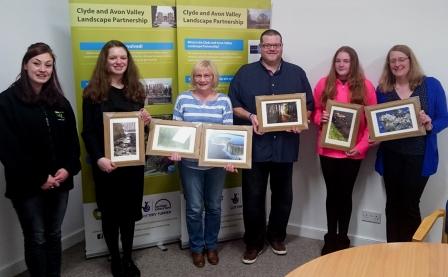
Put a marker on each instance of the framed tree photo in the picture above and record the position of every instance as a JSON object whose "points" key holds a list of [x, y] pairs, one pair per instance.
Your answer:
{"points": [[341, 130], [394, 120], [281, 112], [169, 136], [224, 144], [124, 138]]}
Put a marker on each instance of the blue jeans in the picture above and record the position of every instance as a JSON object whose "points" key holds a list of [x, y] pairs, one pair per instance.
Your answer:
{"points": [[203, 189], [41, 219]]}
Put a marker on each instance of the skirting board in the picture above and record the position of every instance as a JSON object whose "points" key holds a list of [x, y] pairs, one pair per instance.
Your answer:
{"points": [[317, 233], [19, 266]]}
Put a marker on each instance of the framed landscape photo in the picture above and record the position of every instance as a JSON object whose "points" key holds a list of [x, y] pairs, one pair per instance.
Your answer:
{"points": [[394, 120], [281, 112], [124, 138], [341, 130], [224, 144], [169, 136]]}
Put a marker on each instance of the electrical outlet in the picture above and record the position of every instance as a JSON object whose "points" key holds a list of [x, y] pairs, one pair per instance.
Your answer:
{"points": [[369, 216]]}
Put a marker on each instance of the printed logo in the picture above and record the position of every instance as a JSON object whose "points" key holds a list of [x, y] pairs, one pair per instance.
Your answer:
{"points": [[235, 198], [147, 207], [96, 214], [162, 204], [60, 115]]}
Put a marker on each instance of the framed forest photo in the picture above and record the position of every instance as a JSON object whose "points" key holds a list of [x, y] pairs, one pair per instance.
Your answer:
{"points": [[169, 136], [341, 130], [124, 138], [224, 144], [281, 112], [394, 120]]}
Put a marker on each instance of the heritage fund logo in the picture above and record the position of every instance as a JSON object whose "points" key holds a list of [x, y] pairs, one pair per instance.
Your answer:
{"points": [[160, 207]]}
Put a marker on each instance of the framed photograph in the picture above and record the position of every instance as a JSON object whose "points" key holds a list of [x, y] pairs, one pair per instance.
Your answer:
{"points": [[224, 144], [169, 136], [394, 120], [124, 138], [341, 130], [281, 112]]}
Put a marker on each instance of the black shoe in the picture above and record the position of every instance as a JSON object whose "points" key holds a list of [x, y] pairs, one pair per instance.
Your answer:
{"points": [[343, 242], [116, 268], [130, 269], [330, 244]]}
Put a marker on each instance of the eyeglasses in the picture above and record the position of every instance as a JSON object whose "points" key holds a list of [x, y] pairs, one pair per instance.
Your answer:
{"points": [[398, 60], [269, 46], [205, 76]]}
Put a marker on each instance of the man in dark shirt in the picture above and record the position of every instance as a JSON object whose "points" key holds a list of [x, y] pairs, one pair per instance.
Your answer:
{"points": [[273, 153]]}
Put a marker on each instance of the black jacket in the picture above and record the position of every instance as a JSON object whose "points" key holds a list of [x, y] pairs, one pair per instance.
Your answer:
{"points": [[36, 140]]}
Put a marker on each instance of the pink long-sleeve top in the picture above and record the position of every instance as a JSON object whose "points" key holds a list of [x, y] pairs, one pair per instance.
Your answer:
{"points": [[343, 96]]}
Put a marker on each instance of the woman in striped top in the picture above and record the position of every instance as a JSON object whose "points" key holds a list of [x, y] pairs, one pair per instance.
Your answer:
{"points": [[202, 186]]}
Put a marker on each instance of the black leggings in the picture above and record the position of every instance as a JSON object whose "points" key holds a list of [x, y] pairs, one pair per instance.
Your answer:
{"points": [[340, 176], [112, 227]]}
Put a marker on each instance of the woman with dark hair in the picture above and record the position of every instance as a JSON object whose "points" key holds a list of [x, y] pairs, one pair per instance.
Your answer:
{"points": [[407, 163], [39, 150], [114, 87], [344, 83]]}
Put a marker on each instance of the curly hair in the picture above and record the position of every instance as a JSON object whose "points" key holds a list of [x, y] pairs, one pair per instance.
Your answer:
{"points": [[99, 84]]}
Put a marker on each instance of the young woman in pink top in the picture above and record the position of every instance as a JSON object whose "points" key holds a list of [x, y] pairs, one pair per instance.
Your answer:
{"points": [[345, 83]]}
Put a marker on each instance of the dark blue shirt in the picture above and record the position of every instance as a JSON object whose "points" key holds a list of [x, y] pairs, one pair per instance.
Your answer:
{"points": [[254, 79]]}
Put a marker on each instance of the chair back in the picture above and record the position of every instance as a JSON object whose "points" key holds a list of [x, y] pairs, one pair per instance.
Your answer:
{"points": [[428, 222]]}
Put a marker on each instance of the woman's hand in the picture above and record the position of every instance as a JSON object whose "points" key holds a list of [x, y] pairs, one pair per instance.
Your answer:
{"points": [[324, 117], [352, 152], [145, 116], [231, 168], [106, 165], [175, 157], [61, 175], [425, 120], [50, 183]]}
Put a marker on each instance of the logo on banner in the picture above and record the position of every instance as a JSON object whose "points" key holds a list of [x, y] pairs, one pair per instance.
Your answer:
{"points": [[147, 207], [236, 201], [159, 208]]}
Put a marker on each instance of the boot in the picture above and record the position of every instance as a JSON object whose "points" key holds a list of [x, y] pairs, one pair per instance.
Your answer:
{"points": [[330, 244], [343, 242]]}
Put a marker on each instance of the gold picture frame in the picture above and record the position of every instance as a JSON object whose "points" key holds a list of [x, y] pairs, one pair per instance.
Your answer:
{"points": [[124, 138], [281, 112], [170, 136], [394, 120], [226, 144], [341, 130]]}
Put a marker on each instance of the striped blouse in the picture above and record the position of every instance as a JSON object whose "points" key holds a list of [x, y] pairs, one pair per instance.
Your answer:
{"points": [[190, 109]]}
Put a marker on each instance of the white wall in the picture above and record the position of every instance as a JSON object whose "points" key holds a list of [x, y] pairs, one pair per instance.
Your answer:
{"points": [[24, 22], [312, 31]]}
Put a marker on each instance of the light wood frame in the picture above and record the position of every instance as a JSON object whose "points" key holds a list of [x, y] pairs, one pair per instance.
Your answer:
{"points": [[157, 125], [412, 105], [334, 109], [299, 99], [211, 131], [133, 118]]}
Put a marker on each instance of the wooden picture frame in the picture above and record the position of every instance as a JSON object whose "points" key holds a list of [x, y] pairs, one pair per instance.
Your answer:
{"points": [[341, 130], [394, 120], [281, 112], [170, 136], [124, 138], [224, 144]]}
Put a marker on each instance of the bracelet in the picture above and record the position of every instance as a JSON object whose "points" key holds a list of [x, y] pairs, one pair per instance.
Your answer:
{"points": [[250, 116]]}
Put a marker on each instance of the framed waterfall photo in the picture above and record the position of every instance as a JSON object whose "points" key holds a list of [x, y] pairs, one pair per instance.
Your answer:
{"points": [[124, 138]]}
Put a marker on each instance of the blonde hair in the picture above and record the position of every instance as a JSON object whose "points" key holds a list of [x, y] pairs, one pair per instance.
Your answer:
{"points": [[208, 65], [415, 74]]}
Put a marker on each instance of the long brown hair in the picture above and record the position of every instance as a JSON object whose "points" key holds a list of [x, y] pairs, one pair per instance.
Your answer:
{"points": [[355, 78], [99, 84], [51, 93], [415, 74]]}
